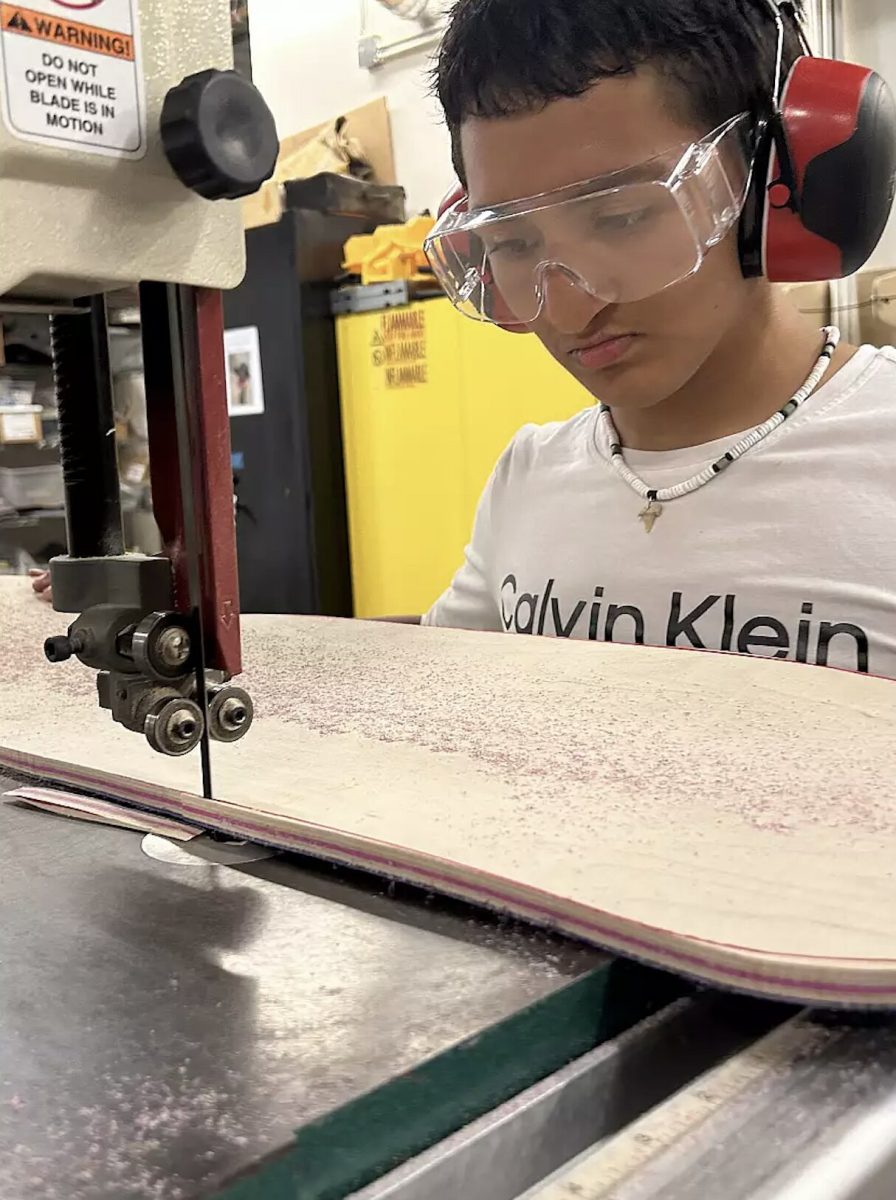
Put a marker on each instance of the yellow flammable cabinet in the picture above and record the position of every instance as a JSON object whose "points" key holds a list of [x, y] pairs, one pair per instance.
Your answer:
{"points": [[430, 400]]}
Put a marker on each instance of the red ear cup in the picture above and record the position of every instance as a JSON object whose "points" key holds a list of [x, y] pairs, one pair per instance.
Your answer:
{"points": [[500, 315], [822, 215], [456, 194]]}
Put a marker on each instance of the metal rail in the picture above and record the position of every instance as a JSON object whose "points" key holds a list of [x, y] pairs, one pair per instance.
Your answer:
{"points": [[526, 1140]]}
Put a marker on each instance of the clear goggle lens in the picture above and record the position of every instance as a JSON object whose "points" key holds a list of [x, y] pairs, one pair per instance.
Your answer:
{"points": [[619, 243]]}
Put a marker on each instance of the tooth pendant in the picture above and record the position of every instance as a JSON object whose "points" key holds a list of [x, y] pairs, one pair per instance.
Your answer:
{"points": [[650, 515]]}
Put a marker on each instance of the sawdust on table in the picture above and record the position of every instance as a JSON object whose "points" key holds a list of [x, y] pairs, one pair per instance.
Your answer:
{"points": [[582, 740]]}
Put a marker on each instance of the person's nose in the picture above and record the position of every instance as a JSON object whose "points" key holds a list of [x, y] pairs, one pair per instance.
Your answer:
{"points": [[567, 306]]}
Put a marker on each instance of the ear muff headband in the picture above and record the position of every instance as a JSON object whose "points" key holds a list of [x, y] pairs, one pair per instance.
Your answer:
{"points": [[824, 175]]}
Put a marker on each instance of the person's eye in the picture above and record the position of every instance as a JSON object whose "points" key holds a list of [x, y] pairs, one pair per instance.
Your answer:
{"points": [[623, 222], [518, 247]]}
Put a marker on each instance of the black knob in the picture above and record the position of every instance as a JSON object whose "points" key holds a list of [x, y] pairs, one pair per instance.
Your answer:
{"points": [[58, 649], [219, 135]]}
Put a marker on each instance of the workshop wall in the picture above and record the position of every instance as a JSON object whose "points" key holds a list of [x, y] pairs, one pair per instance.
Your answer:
{"points": [[870, 38], [305, 61]]}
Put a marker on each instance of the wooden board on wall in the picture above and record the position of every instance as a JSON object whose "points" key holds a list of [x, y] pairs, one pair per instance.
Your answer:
{"points": [[876, 294], [370, 125], [812, 299]]}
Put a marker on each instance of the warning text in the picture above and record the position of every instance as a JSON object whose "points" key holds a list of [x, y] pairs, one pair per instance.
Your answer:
{"points": [[70, 34]]}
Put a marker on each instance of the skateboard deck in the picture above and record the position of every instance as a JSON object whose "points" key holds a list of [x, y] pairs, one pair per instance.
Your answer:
{"points": [[727, 818]]}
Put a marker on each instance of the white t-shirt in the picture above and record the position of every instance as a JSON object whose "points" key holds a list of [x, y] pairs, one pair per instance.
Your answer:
{"points": [[791, 553]]}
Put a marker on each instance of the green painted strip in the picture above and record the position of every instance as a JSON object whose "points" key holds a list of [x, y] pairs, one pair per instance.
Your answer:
{"points": [[372, 1135]]}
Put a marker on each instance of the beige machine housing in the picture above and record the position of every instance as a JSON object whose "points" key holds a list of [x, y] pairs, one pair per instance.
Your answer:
{"points": [[74, 223]]}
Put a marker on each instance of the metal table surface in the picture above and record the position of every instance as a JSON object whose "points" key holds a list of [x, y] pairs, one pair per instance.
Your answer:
{"points": [[165, 1026]]}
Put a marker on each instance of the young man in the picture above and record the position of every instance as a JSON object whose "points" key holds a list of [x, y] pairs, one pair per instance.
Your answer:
{"points": [[615, 526]]}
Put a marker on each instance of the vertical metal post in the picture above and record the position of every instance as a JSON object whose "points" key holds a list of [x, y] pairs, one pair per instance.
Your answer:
{"points": [[826, 28], [190, 467], [170, 402], [832, 44], [185, 328], [833, 28], [83, 377]]}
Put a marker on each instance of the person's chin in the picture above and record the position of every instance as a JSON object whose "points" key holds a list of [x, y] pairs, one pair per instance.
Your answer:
{"points": [[632, 382]]}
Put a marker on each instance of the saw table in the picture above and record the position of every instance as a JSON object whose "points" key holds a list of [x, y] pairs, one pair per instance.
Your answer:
{"points": [[175, 1028]]}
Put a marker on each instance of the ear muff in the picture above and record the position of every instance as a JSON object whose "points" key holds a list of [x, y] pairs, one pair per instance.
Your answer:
{"points": [[504, 320], [457, 195], [825, 176]]}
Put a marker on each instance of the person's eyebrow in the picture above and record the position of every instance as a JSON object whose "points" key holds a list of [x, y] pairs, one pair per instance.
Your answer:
{"points": [[659, 167]]}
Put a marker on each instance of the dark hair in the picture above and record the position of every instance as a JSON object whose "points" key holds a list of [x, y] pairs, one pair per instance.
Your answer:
{"points": [[501, 57]]}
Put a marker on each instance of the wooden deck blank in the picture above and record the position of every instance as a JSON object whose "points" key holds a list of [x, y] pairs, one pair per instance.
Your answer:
{"points": [[728, 818]]}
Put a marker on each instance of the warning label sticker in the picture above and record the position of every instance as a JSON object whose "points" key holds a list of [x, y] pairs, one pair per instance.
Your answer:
{"points": [[71, 84], [399, 346]]}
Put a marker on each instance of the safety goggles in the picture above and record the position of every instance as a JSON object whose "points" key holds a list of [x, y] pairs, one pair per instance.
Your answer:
{"points": [[621, 238]]}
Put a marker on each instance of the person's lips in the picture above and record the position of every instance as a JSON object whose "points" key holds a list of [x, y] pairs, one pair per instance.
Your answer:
{"points": [[604, 351]]}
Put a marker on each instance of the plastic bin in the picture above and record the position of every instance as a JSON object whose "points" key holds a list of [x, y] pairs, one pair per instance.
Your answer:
{"points": [[33, 487]]}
